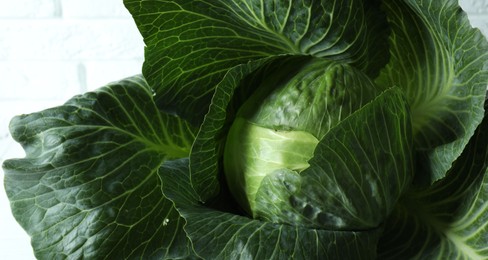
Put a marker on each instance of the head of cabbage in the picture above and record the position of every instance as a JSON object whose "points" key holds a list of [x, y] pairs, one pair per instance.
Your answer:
{"points": [[276, 132], [313, 129]]}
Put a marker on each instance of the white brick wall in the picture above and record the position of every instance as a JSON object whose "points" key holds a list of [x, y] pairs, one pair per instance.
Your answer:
{"points": [[53, 49]]}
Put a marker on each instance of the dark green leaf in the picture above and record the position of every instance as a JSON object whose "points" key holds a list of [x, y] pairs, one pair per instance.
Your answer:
{"points": [[221, 235], [88, 186], [447, 220], [442, 64], [192, 44], [207, 149]]}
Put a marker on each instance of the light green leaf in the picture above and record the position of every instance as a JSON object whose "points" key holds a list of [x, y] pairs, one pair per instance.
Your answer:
{"points": [[192, 44], [252, 152], [447, 220], [221, 235], [442, 64], [89, 186]]}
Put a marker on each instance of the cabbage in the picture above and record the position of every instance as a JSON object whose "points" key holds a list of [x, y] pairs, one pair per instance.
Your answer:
{"points": [[269, 130]]}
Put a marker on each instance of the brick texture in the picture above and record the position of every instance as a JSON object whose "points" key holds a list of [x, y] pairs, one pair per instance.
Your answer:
{"points": [[28, 80], [51, 50], [93, 9], [78, 39], [28, 9]]}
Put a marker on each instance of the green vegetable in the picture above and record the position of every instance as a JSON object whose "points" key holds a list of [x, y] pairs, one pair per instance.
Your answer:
{"points": [[297, 108], [269, 130]]}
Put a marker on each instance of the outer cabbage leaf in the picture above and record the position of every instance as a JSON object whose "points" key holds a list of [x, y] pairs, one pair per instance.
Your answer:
{"points": [[442, 64], [88, 186], [447, 220], [192, 44], [208, 146], [220, 235]]}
